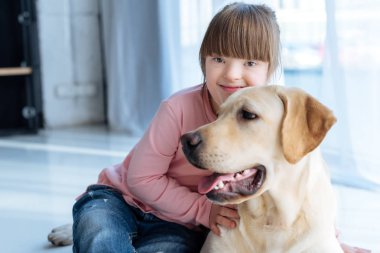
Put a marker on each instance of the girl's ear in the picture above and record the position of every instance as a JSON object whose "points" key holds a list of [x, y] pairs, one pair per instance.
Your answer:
{"points": [[305, 123]]}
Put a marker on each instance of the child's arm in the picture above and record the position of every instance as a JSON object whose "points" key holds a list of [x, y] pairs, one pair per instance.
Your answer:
{"points": [[147, 175]]}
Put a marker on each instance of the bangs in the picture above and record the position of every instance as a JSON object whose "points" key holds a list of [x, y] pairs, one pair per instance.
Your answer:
{"points": [[235, 37], [243, 31]]}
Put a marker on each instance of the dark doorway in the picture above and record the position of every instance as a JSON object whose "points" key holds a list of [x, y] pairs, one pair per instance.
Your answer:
{"points": [[20, 86]]}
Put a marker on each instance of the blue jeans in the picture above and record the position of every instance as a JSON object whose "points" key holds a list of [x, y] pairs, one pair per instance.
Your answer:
{"points": [[104, 222]]}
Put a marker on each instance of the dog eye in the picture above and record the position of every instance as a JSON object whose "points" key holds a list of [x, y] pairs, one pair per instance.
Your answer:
{"points": [[248, 115]]}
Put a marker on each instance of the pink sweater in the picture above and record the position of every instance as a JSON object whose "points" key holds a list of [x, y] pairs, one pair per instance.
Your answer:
{"points": [[155, 176]]}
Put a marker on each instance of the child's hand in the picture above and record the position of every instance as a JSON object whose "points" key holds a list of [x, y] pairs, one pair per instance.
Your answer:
{"points": [[348, 249], [224, 216]]}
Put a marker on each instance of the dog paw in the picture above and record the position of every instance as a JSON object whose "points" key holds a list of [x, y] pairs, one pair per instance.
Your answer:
{"points": [[61, 236]]}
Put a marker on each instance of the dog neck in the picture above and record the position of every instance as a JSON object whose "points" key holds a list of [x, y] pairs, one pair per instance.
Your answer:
{"points": [[290, 195]]}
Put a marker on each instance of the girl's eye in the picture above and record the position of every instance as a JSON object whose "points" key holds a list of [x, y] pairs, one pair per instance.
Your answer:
{"points": [[251, 63], [217, 59], [248, 115]]}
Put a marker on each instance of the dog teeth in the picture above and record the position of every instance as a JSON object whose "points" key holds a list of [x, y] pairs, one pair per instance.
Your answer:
{"points": [[220, 185], [241, 174], [244, 172]]}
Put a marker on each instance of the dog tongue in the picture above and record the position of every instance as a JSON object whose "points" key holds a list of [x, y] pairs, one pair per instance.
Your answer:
{"points": [[208, 183]]}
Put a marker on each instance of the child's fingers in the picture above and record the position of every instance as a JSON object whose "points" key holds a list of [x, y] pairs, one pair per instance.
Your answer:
{"points": [[229, 212], [214, 228], [232, 206], [349, 249], [225, 222], [225, 216], [337, 233]]}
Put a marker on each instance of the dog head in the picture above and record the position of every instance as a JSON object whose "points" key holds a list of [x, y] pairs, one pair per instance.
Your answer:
{"points": [[257, 129]]}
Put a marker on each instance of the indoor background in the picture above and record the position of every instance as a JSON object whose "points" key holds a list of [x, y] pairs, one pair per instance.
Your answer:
{"points": [[81, 79]]}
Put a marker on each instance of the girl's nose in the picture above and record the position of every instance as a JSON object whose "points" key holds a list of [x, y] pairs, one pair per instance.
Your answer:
{"points": [[233, 71]]}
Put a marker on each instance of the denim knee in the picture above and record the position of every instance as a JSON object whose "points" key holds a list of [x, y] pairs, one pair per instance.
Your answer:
{"points": [[104, 222], [96, 232], [100, 224]]}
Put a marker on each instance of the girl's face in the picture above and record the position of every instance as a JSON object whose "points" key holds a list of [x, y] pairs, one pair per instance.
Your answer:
{"points": [[225, 75]]}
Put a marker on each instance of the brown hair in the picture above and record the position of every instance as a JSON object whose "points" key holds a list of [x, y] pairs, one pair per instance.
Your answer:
{"points": [[243, 31]]}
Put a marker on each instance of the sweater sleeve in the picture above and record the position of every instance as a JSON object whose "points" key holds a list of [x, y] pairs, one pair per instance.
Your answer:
{"points": [[147, 176]]}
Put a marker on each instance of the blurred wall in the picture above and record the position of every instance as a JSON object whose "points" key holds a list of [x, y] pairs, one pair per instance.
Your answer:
{"points": [[71, 62]]}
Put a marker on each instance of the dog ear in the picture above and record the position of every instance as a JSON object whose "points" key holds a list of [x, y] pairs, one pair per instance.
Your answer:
{"points": [[306, 122]]}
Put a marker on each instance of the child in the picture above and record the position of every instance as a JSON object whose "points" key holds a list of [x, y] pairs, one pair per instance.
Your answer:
{"points": [[149, 203]]}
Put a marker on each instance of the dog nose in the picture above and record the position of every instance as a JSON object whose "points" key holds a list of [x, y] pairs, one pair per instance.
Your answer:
{"points": [[191, 140]]}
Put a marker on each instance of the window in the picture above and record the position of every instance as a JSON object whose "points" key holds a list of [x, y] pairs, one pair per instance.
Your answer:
{"points": [[331, 49]]}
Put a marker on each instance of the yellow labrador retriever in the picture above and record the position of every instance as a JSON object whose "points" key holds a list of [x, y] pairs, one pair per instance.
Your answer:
{"points": [[263, 150]]}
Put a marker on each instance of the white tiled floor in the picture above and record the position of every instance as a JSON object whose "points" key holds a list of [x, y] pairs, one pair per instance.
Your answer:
{"points": [[40, 176]]}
